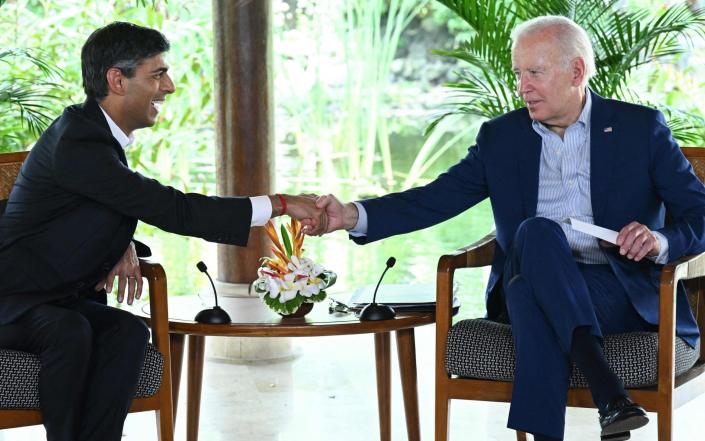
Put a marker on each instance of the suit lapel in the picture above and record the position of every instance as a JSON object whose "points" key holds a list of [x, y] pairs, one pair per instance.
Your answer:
{"points": [[529, 163], [603, 147]]}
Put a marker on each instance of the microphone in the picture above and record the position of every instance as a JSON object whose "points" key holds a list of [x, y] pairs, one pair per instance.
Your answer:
{"points": [[215, 315], [377, 311]]}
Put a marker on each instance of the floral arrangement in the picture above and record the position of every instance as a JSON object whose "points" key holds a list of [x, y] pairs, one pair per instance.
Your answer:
{"points": [[289, 280]]}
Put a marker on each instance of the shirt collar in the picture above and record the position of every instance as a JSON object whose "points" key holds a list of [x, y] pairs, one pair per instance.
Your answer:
{"points": [[117, 132], [583, 118]]}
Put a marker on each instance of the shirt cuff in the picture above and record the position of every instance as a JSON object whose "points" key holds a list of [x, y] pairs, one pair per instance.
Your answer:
{"points": [[662, 257], [360, 228], [261, 210]]}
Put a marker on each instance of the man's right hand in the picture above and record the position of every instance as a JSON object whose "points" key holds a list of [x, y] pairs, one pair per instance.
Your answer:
{"points": [[340, 216], [304, 209]]}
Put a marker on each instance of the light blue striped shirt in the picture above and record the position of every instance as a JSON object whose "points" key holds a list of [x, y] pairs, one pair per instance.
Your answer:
{"points": [[564, 182], [564, 185]]}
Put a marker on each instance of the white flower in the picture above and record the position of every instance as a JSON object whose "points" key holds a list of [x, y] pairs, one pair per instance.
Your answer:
{"points": [[288, 288], [310, 290], [273, 287]]}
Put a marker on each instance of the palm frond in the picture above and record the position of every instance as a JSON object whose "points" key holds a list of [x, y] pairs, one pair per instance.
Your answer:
{"points": [[31, 99], [492, 21], [687, 128], [47, 70], [623, 40], [627, 40]]}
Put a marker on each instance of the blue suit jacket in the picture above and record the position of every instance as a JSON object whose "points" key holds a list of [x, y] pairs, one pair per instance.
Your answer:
{"points": [[637, 172]]}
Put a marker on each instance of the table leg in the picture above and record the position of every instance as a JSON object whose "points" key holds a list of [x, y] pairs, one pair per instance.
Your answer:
{"points": [[384, 389], [196, 348], [406, 349], [176, 347]]}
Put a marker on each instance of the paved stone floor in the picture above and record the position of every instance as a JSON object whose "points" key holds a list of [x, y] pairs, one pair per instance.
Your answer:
{"points": [[327, 392]]}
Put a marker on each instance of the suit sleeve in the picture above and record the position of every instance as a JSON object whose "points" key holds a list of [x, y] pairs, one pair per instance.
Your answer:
{"points": [[95, 171], [681, 191], [451, 193]]}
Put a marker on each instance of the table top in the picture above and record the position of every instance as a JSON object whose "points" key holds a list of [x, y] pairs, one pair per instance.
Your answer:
{"points": [[252, 318]]}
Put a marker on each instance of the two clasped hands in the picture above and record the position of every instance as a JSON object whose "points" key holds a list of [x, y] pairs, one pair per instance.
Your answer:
{"points": [[319, 214]]}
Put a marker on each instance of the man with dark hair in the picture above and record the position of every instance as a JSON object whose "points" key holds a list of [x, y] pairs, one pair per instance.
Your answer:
{"points": [[66, 234]]}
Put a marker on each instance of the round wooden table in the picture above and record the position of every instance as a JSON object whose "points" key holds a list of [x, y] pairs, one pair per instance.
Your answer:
{"points": [[251, 318]]}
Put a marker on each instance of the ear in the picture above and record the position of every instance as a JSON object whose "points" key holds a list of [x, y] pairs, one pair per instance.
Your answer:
{"points": [[578, 70], [116, 81]]}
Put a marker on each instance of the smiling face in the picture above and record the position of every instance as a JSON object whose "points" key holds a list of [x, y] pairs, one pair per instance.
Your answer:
{"points": [[134, 102], [145, 92], [550, 85]]}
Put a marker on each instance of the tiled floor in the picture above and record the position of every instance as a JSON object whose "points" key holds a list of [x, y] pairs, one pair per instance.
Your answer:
{"points": [[328, 393]]}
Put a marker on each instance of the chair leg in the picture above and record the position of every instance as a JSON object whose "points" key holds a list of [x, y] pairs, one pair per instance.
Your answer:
{"points": [[165, 426], [665, 427], [521, 436], [442, 415], [165, 416]]}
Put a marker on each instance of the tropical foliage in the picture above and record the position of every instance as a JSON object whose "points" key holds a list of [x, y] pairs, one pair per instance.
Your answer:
{"points": [[27, 91], [624, 40]]}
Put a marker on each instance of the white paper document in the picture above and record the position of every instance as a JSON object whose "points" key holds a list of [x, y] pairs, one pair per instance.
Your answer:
{"points": [[593, 230]]}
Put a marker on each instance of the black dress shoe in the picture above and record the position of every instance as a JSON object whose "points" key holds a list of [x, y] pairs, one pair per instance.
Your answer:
{"points": [[622, 415]]}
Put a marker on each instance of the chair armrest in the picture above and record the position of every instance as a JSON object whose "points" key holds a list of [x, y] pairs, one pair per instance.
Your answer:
{"points": [[159, 322], [158, 304], [478, 254], [689, 267]]}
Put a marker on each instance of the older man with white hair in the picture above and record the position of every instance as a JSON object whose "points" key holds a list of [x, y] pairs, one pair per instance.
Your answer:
{"points": [[568, 154]]}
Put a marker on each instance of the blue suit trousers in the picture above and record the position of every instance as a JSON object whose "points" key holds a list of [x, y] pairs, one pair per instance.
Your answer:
{"points": [[548, 295]]}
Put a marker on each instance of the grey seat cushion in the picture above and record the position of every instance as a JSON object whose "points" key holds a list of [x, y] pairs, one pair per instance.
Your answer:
{"points": [[19, 378], [484, 349]]}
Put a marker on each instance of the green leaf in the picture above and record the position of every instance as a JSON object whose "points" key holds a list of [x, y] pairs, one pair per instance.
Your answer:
{"points": [[287, 241], [283, 308]]}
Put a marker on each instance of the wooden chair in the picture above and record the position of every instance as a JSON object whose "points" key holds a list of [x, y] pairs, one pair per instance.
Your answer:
{"points": [[668, 391], [156, 373]]}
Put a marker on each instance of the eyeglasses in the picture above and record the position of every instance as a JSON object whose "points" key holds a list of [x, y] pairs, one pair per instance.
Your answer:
{"points": [[336, 306]]}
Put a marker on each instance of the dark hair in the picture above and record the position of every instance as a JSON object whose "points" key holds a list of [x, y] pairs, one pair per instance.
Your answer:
{"points": [[121, 45]]}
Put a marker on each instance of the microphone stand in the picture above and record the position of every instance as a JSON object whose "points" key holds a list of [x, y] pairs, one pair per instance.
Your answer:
{"points": [[378, 311], [215, 315]]}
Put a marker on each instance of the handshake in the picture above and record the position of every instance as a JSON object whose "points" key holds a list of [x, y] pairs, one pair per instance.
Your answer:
{"points": [[318, 214]]}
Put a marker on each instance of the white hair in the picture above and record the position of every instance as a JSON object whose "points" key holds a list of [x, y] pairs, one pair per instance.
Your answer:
{"points": [[572, 39]]}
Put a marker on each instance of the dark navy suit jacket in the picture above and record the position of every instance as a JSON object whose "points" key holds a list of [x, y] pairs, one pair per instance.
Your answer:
{"points": [[74, 207], [637, 171]]}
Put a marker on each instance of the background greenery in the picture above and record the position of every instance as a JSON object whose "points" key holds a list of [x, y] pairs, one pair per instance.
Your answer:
{"points": [[356, 85], [624, 39]]}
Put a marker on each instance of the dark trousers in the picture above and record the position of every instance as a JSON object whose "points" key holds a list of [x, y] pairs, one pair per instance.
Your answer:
{"points": [[548, 294], [91, 356]]}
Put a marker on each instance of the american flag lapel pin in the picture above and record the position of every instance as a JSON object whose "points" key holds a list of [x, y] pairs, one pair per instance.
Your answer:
{"points": [[607, 130]]}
